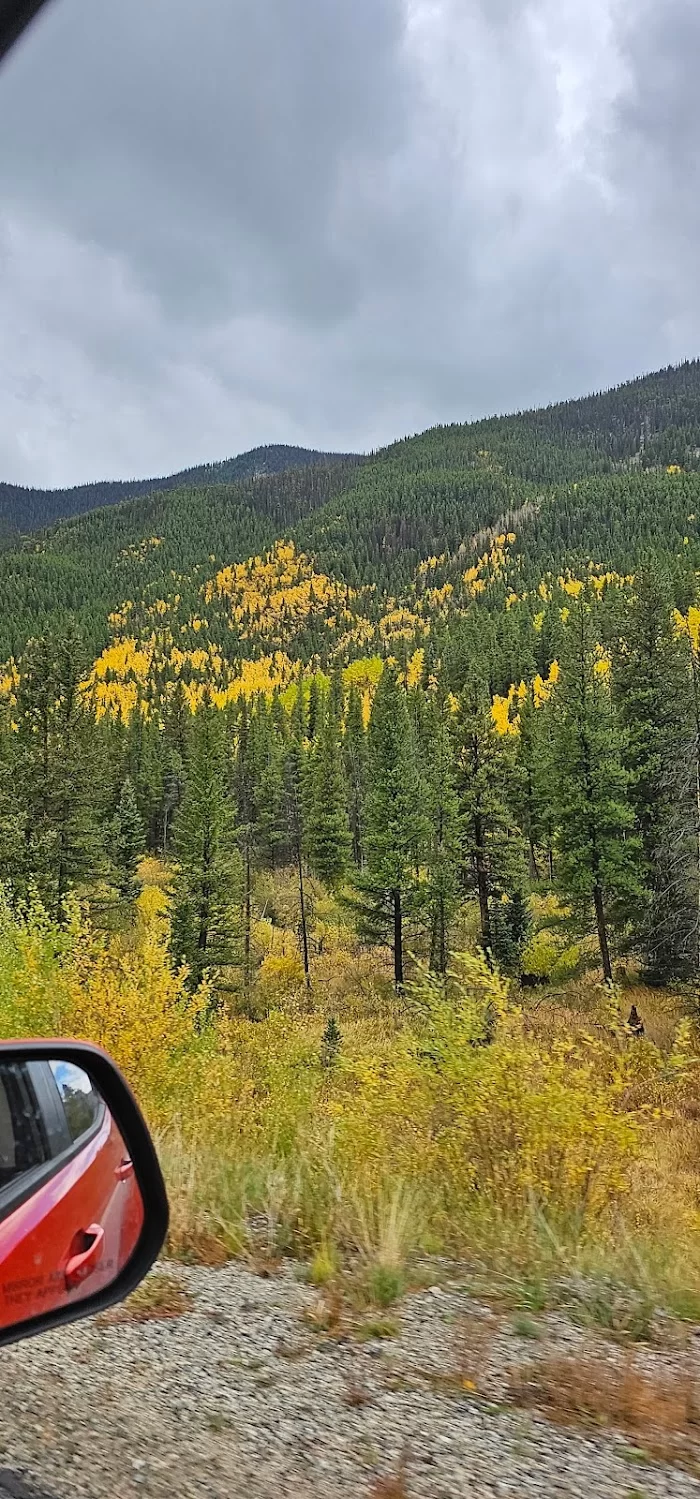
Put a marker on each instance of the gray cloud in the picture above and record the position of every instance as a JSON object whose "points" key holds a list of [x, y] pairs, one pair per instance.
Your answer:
{"points": [[329, 222]]}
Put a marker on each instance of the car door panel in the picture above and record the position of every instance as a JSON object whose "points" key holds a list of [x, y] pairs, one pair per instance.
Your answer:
{"points": [[50, 1228]]}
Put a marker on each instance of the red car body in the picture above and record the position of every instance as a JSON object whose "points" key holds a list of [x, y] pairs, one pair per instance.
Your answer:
{"points": [[75, 1232]]}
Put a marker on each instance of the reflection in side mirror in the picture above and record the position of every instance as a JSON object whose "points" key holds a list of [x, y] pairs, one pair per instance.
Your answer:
{"points": [[83, 1211]]}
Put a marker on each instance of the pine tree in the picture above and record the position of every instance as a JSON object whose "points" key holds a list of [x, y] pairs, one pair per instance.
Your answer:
{"points": [[244, 782], [173, 782], [331, 1042], [294, 804], [145, 767], [208, 883], [534, 783], [395, 822], [336, 695], [511, 925], [14, 826], [653, 694], [53, 778], [315, 708], [443, 855], [177, 720], [268, 756], [127, 842], [599, 853], [327, 834], [486, 784], [355, 756], [177, 725], [688, 631]]}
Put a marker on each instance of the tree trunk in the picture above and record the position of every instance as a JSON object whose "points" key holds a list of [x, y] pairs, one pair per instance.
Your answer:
{"points": [[534, 867], [597, 892], [302, 917], [602, 932], [438, 945], [398, 940], [246, 920], [442, 942], [482, 885], [697, 825], [61, 878], [204, 918], [356, 829], [696, 753]]}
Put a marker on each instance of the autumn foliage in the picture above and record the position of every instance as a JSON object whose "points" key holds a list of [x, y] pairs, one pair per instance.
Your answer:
{"points": [[409, 1133]]}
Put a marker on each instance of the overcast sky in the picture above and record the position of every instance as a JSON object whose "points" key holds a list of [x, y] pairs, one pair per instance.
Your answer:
{"points": [[333, 222]]}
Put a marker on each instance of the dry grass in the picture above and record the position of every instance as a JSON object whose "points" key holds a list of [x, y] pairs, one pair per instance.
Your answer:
{"points": [[357, 1394], [473, 1358], [330, 1314], [576, 1008], [661, 1407], [475, 1341], [160, 1297], [206, 1209], [644, 1257], [391, 1485], [338, 1313]]}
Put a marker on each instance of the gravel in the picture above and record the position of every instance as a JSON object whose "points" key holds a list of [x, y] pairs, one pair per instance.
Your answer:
{"points": [[244, 1396], [14, 1487]]}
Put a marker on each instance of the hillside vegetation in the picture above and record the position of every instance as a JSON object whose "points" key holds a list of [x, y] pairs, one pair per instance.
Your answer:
{"points": [[356, 809], [23, 509]]}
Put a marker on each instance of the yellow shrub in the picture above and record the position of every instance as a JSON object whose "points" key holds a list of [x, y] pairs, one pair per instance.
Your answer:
{"points": [[155, 872], [75, 984], [505, 1119], [280, 976], [437, 1112], [546, 956]]}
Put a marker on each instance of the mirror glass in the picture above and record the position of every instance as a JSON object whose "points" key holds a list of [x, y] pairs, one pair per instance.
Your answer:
{"points": [[71, 1211]]}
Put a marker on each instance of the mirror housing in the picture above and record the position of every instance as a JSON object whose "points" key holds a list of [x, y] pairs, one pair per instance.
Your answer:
{"points": [[118, 1127], [15, 15]]}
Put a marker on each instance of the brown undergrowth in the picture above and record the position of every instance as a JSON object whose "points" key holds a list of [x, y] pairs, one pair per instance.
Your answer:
{"points": [[658, 1407], [160, 1297]]}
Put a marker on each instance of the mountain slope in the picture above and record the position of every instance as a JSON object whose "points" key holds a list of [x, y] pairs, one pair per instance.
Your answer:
{"points": [[29, 509], [607, 478]]}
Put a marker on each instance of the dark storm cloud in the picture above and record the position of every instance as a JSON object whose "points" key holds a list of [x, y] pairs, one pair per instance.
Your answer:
{"points": [[656, 159], [333, 221], [194, 136]]}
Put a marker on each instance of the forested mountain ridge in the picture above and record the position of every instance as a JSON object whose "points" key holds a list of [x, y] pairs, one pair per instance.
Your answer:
{"points": [[653, 420], [24, 509], [605, 477], [476, 593]]}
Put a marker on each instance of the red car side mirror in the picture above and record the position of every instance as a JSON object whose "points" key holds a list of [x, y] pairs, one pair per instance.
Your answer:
{"points": [[83, 1207]]}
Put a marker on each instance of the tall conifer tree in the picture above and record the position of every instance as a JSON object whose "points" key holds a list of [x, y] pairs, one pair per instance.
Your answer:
{"points": [[57, 787], [127, 842], [395, 821], [654, 697], [208, 883], [444, 832], [355, 755], [493, 846], [599, 853], [327, 833]]}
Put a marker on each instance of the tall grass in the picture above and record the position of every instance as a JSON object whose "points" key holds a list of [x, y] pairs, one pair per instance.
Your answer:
{"points": [[561, 1152]]}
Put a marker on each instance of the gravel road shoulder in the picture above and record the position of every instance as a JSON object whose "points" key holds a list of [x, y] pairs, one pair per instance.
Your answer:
{"points": [[243, 1396]]}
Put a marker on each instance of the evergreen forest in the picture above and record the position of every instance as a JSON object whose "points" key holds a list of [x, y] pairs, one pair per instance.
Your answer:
{"points": [[369, 788]]}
